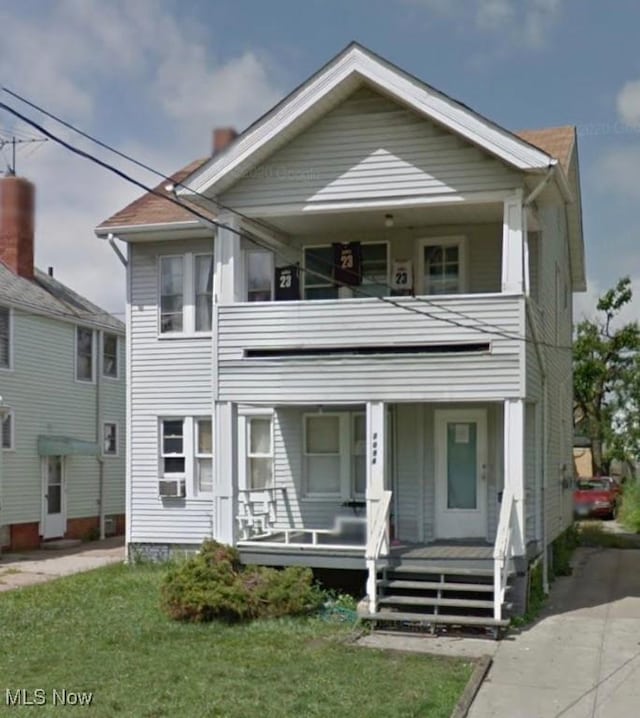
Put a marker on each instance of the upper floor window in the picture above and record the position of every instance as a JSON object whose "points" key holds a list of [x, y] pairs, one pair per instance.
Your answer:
{"points": [[259, 276], [110, 355], [443, 266], [369, 278], [186, 293], [5, 338], [7, 431], [84, 354]]}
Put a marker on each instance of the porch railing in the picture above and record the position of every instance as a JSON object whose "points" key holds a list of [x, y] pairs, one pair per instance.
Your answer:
{"points": [[377, 543], [508, 543]]}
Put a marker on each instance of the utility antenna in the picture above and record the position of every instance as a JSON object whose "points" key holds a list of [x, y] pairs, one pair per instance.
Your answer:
{"points": [[14, 142]]}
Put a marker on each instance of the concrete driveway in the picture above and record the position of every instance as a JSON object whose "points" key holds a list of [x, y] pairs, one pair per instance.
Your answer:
{"points": [[582, 658], [32, 567]]}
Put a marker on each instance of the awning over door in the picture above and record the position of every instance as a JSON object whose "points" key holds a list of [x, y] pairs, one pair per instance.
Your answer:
{"points": [[66, 446]]}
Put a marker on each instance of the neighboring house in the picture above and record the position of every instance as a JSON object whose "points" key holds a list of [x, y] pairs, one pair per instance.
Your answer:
{"points": [[62, 389], [277, 403]]}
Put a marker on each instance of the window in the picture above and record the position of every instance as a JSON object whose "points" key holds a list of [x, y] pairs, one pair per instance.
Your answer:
{"points": [[110, 355], [186, 293], [172, 449], [5, 338], [259, 276], [375, 271], [84, 354], [171, 293], [7, 431], [443, 267], [359, 455], [110, 439], [204, 291], [322, 454], [318, 264], [260, 453], [204, 457]]}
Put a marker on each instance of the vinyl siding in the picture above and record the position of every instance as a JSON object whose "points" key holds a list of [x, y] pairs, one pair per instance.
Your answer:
{"points": [[369, 147], [47, 400], [169, 377], [365, 322]]}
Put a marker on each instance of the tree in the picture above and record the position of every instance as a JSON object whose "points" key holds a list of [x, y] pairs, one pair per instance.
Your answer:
{"points": [[606, 381]]}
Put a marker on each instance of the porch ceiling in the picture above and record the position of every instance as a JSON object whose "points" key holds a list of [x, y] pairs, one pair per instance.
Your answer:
{"points": [[311, 223]]}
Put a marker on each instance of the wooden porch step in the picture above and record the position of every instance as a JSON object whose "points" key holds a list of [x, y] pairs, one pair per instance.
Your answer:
{"points": [[434, 601], [435, 585], [432, 569], [428, 618]]}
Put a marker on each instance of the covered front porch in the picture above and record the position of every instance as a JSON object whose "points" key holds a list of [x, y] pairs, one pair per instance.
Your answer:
{"points": [[372, 485]]}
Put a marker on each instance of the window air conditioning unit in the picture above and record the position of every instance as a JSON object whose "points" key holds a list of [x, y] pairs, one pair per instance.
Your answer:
{"points": [[172, 488]]}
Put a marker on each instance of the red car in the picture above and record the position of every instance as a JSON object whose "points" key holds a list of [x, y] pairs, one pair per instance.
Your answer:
{"points": [[597, 497]]}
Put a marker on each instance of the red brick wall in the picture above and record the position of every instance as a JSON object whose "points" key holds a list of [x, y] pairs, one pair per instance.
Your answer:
{"points": [[23, 537], [81, 528], [17, 198]]}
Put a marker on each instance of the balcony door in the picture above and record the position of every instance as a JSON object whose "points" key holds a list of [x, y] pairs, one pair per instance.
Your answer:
{"points": [[460, 480]]}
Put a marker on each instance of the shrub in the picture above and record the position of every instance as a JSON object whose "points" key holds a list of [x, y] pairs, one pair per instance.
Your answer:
{"points": [[214, 585], [629, 513]]}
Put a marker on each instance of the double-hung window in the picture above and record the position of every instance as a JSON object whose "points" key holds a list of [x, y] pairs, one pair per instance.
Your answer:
{"points": [[260, 274], [172, 457], [110, 355], [335, 455], [109, 439], [322, 455], [84, 354], [204, 457], [443, 263], [186, 293], [259, 452], [5, 338], [318, 269], [8, 431]]}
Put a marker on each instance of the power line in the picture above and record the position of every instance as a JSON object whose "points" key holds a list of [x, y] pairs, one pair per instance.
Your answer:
{"points": [[477, 325]]}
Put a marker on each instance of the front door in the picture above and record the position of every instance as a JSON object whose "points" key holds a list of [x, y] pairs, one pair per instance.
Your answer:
{"points": [[54, 523], [460, 464]]}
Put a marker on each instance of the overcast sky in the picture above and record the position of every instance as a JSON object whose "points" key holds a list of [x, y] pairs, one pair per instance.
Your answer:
{"points": [[153, 77]]}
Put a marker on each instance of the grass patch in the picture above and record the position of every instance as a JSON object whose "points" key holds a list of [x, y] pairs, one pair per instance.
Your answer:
{"points": [[594, 534], [103, 631]]}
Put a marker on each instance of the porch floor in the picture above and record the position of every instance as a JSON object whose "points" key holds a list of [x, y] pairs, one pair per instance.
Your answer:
{"points": [[445, 550]]}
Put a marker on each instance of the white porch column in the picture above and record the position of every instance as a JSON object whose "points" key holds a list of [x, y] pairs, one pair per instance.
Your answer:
{"points": [[514, 463], [225, 479], [376, 449], [513, 245], [228, 261]]}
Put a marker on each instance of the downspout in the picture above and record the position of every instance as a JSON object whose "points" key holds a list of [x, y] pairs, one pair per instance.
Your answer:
{"points": [[545, 409], [99, 436]]}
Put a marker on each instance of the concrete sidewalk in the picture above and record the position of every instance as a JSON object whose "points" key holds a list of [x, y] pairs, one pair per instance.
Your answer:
{"points": [[583, 657], [33, 567]]}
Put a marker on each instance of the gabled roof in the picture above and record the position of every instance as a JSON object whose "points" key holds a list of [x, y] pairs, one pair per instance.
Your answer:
{"points": [[45, 295], [153, 209], [557, 142], [332, 83]]}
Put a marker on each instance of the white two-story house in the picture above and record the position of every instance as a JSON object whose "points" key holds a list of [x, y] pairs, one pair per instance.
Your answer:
{"points": [[358, 355], [62, 396]]}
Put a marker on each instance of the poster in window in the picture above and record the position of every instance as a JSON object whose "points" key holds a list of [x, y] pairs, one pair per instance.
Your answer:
{"points": [[402, 276], [347, 263], [287, 283]]}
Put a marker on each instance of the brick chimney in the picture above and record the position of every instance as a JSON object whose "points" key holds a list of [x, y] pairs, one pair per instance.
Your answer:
{"points": [[222, 136], [17, 202]]}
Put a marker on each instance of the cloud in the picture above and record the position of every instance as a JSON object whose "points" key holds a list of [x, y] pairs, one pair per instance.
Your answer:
{"points": [[140, 75], [518, 23], [584, 304], [619, 171], [628, 103]]}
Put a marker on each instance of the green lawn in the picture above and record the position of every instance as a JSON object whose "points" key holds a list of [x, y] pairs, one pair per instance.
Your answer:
{"points": [[103, 632]]}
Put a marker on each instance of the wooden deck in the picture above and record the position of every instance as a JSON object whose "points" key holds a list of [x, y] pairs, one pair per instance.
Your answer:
{"points": [[445, 550]]}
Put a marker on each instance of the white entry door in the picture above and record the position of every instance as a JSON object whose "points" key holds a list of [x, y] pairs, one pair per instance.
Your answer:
{"points": [[54, 522], [461, 481]]}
